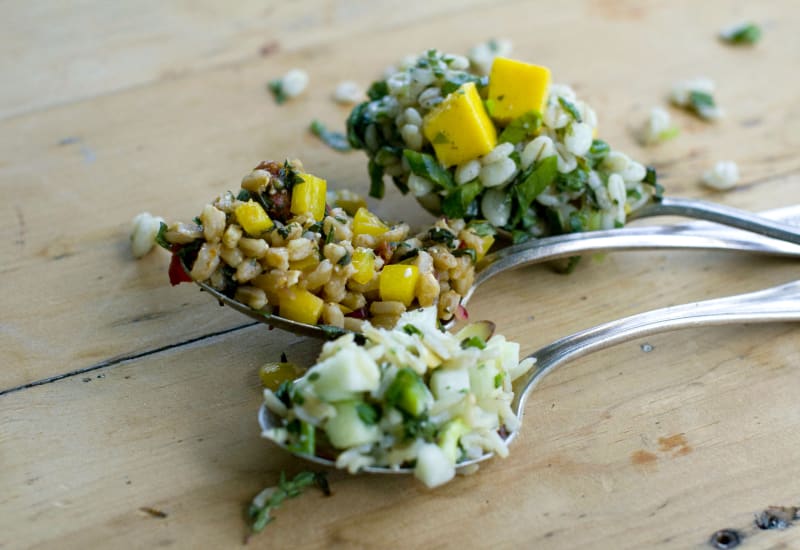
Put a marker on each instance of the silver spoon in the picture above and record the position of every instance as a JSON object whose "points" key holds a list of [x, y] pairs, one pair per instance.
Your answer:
{"points": [[695, 235], [777, 304]]}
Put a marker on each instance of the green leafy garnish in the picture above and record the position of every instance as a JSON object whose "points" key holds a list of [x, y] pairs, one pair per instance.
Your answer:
{"points": [[305, 442], [367, 413], [570, 107], [270, 499], [700, 100], [376, 185], [481, 228], [598, 152], [344, 260], [161, 240], [378, 90], [466, 252], [412, 330], [651, 178], [335, 140], [473, 342], [455, 81], [519, 236], [574, 181], [426, 166], [746, 33], [521, 128], [498, 379], [441, 235], [541, 176], [276, 87], [456, 204]]}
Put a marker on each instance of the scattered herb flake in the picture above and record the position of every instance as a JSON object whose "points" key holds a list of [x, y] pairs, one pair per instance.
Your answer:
{"points": [[542, 175], [367, 413], [498, 380], [466, 252], [344, 260], [744, 33], [426, 166], [473, 342], [270, 499], [376, 185], [570, 107], [276, 87], [481, 228], [161, 240], [456, 204], [335, 140], [412, 330], [521, 128]]}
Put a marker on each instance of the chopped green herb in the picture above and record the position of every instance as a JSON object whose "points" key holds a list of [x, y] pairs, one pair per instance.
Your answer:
{"points": [[335, 140], [344, 260], [378, 90], [598, 152], [284, 391], [426, 166], [313, 376], [367, 413], [376, 185], [481, 228], [498, 380], [276, 87], [570, 107], [473, 342], [330, 237], [457, 203], [521, 128], [574, 181], [441, 235], [270, 499], [306, 440], [651, 178], [244, 195], [746, 33], [541, 176], [489, 106], [455, 81], [357, 124], [161, 240], [440, 139], [412, 330], [519, 236]]}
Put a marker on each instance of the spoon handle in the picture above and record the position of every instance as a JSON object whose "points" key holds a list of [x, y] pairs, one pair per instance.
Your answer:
{"points": [[726, 215], [776, 304]]}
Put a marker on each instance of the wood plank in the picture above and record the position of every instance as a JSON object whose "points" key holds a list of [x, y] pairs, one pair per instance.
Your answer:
{"points": [[623, 449], [56, 53], [74, 176]]}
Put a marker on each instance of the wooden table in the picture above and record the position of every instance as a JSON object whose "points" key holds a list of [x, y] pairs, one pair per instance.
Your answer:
{"points": [[127, 412]]}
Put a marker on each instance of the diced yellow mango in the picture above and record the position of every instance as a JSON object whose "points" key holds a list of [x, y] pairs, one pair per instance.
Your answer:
{"points": [[349, 201], [486, 244], [516, 88], [252, 218], [398, 282], [364, 262], [459, 127], [300, 305], [308, 197], [367, 223], [307, 264]]}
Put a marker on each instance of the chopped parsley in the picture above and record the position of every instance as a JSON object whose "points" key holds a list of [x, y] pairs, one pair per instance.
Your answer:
{"points": [[457, 203], [367, 413], [426, 166], [161, 240], [521, 128], [542, 174], [473, 342], [744, 33], [335, 140], [270, 499], [276, 87], [570, 107], [412, 330]]}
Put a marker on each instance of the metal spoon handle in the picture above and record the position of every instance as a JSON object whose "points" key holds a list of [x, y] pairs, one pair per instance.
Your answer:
{"points": [[696, 236], [726, 215], [780, 303]]}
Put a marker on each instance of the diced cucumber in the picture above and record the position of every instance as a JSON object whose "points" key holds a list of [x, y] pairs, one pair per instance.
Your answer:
{"points": [[449, 382], [433, 467], [408, 392], [342, 375], [346, 429], [449, 437]]}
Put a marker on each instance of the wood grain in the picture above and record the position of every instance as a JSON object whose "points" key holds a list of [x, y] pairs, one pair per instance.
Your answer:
{"points": [[119, 393]]}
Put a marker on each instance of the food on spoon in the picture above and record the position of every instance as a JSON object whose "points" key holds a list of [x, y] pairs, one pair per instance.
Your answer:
{"points": [[724, 176], [408, 396], [697, 95], [509, 147], [277, 247]]}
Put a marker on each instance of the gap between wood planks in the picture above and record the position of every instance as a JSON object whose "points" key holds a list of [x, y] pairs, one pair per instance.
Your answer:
{"points": [[118, 360]]}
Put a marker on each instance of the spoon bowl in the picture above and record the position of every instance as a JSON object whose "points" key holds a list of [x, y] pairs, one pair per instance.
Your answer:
{"points": [[776, 304], [691, 236]]}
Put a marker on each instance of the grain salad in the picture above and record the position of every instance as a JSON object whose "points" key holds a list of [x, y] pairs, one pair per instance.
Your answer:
{"points": [[278, 247], [509, 147], [412, 397]]}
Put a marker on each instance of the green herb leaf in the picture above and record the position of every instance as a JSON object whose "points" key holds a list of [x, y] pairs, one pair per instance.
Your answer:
{"points": [[441, 235], [570, 107], [161, 240], [412, 330], [367, 413], [519, 236], [357, 123], [701, 102], [313, 376], [276, 87], [597, 152], [344, 260], [520, 128], [426, 166], [746, 33], [466, 252], [498, 380], [456, 204], [376, 185], [270, 499], [456, 80], [541, 176], [574, 181], [335, 140], [473, 342], [482, 228], [651, 178], [377, 90]]}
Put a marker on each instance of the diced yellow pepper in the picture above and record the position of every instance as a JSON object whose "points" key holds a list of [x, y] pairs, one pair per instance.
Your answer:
{"points": [[516, 88], [349, 201], [307, 264], [367, 223], [308, 197], [459, 127], [300, 305], [252, 218], [486, 244], [398, 282], [364, 262]]}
